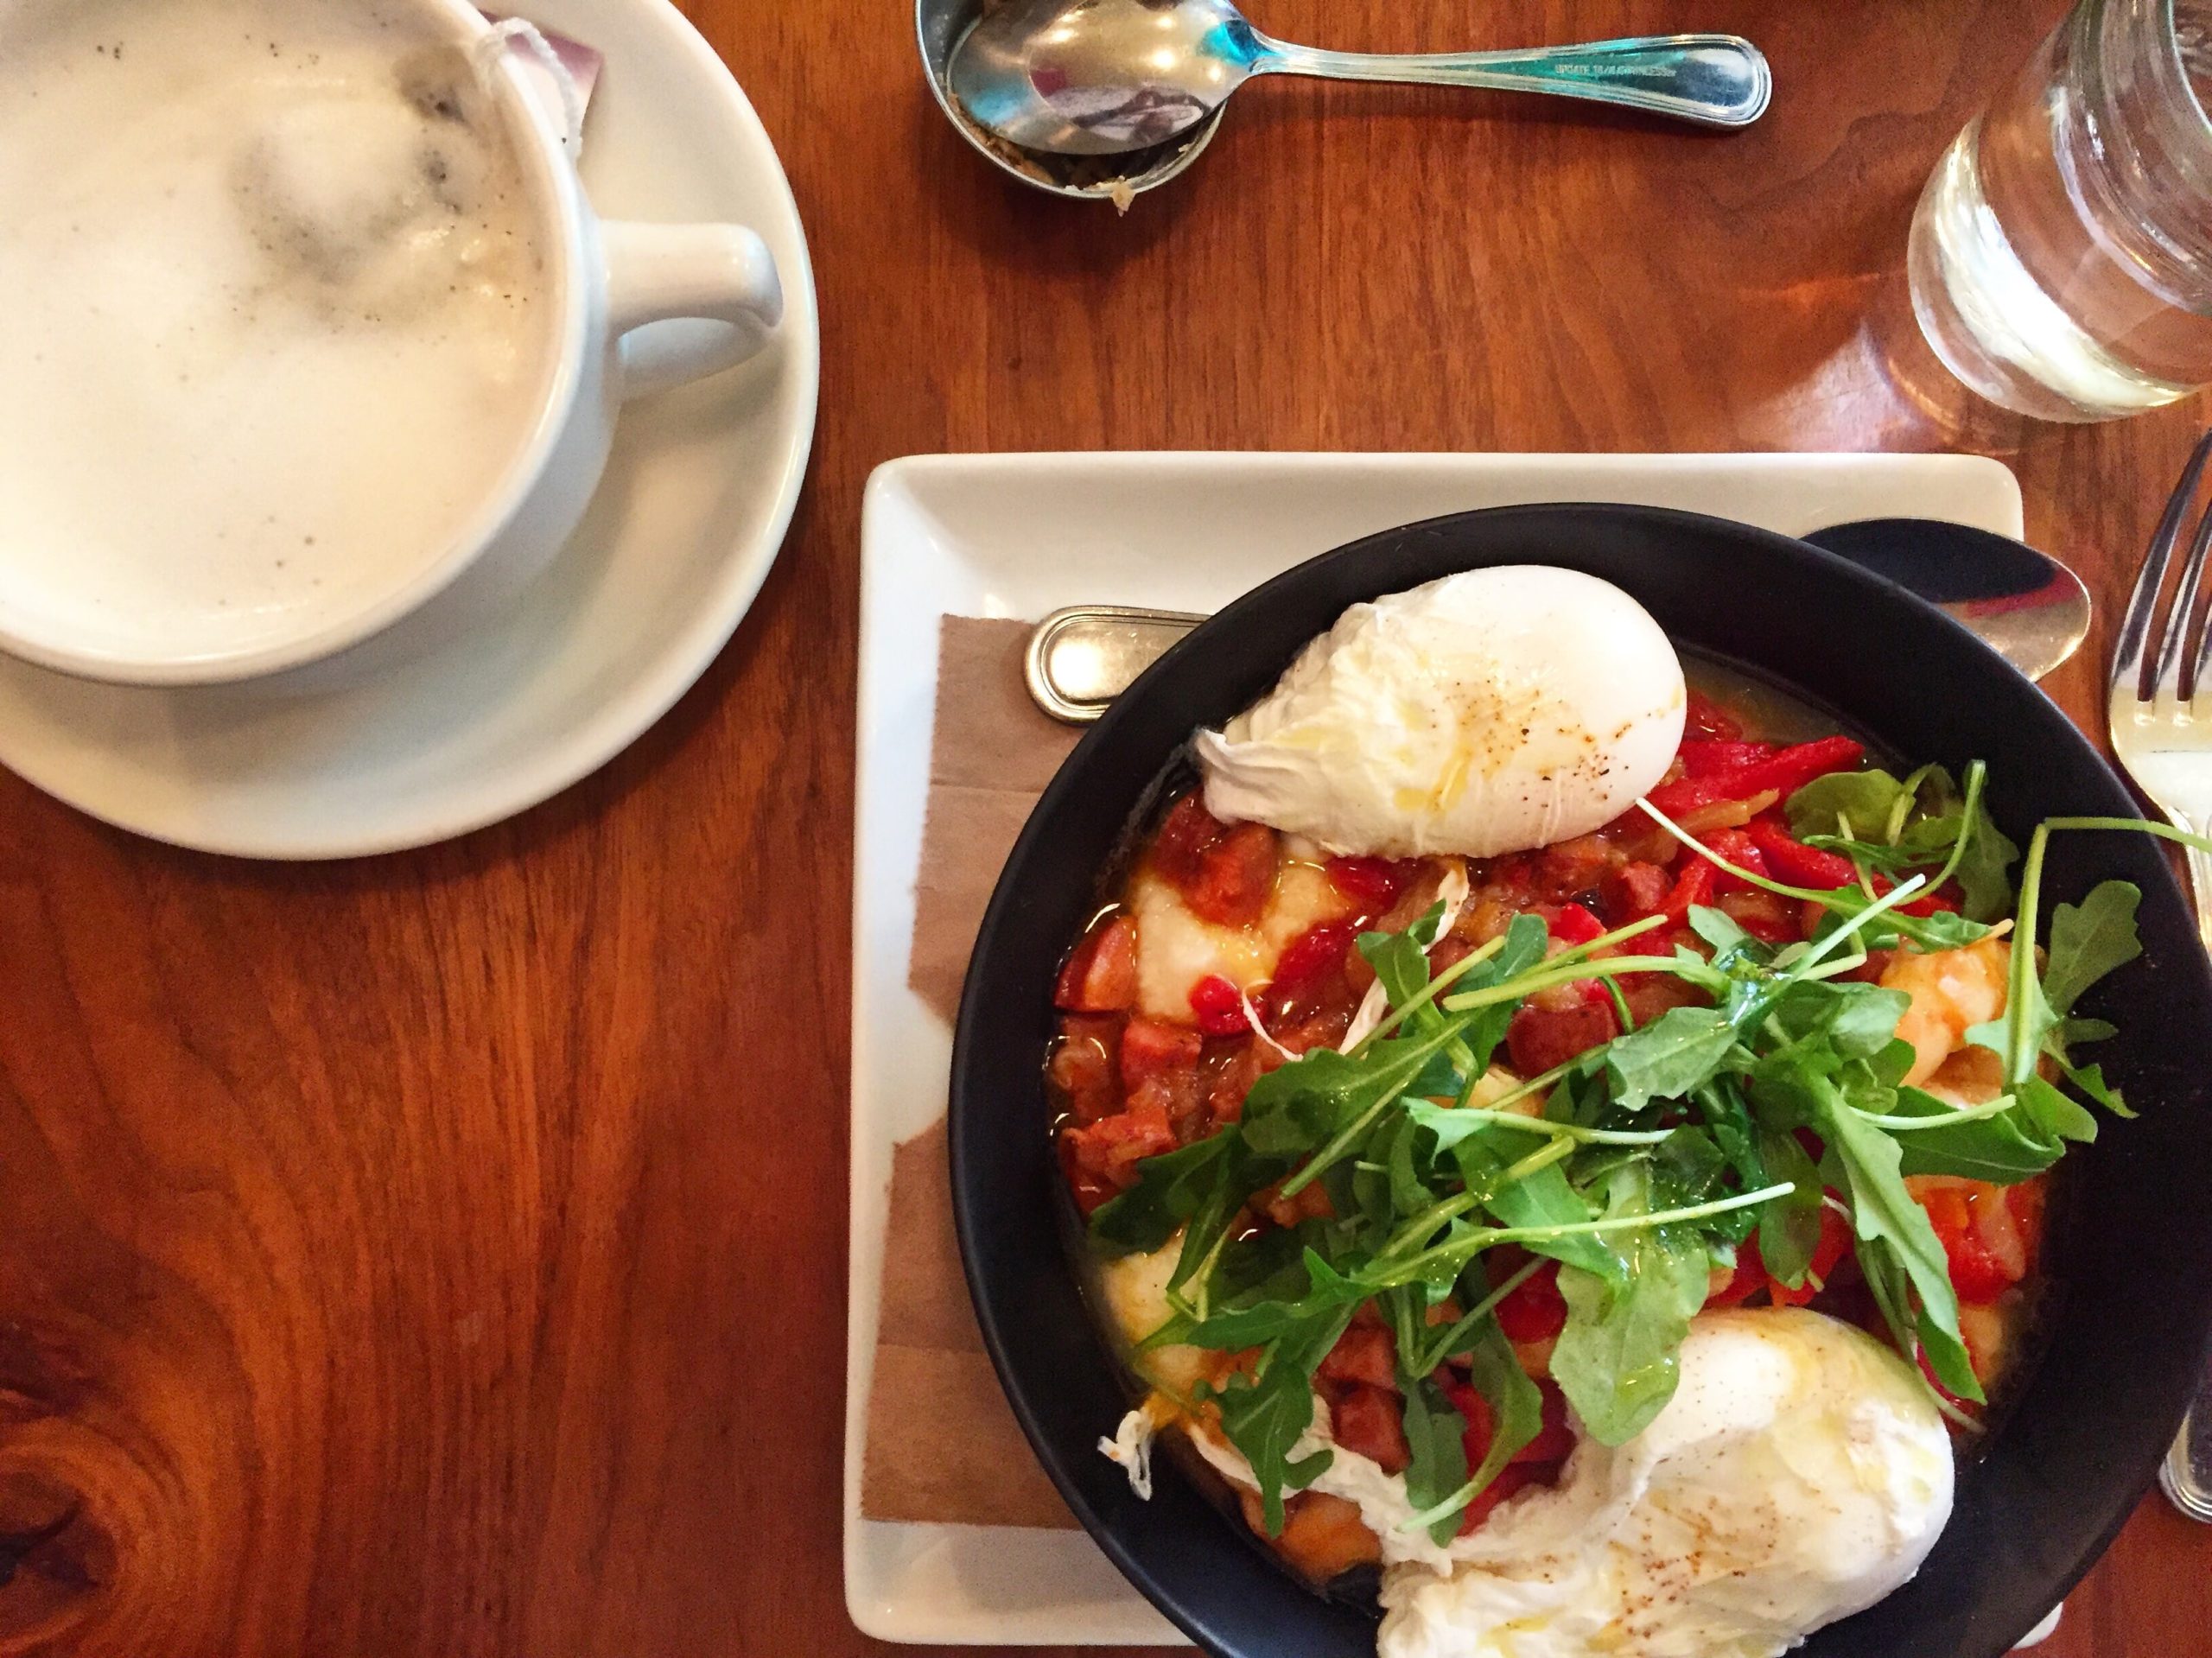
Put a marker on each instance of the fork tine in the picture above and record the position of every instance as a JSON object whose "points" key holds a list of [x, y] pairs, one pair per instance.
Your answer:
{"points": [[2143, 606], [2202, 667], [2178, 630]]}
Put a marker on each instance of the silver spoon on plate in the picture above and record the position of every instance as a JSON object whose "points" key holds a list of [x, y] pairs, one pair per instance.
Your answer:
{"points": [[2023, 604]]}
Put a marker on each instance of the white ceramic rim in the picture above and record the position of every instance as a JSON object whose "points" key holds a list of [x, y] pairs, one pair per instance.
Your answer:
{"points": [[558, 195]]}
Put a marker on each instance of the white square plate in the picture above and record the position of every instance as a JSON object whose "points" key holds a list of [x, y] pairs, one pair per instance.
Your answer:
{"points": [[1020, 535]]}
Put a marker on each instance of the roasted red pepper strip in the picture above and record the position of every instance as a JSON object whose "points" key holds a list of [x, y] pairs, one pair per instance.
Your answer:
{"points": [[1784, 771], [1704, 758], [1570, 923], [1554, 1440], [1923, 906], [1790, 769], [1789, 860], [1739, 849], [1679, 798], [1748, 1280], [1693, 885]]}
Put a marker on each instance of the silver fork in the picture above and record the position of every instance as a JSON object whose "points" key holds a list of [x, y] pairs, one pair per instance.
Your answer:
{"points": [[2161, 711]]}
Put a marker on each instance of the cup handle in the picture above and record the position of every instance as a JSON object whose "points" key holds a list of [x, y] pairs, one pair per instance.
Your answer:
{"points": [[720, 276]]}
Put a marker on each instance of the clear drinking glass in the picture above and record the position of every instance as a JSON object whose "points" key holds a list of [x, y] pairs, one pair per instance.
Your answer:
{"points": [[2061, 254]]}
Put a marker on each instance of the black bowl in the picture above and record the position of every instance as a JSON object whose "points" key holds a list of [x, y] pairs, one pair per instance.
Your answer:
{"points": [[2132, 1250]]}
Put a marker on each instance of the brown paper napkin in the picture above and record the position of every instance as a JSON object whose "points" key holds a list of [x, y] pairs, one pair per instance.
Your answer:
{"points": [[942, 1444]]}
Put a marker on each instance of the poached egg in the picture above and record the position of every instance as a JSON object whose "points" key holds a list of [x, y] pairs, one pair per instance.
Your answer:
{"points": [[1799, 1474], [1490, 712]]}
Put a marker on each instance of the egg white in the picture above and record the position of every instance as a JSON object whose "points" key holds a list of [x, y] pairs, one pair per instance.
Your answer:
{"points": [[1489, 712]]}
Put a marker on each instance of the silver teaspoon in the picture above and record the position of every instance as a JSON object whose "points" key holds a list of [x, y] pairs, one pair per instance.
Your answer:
{"points": [[1102, 77], [2025, 603]]}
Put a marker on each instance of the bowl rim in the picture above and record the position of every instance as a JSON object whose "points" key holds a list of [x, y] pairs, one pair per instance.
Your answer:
{"points": [[2162, 892]]}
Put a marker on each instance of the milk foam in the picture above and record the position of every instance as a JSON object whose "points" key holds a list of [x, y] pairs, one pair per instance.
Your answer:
{"points": [[274, 313]]}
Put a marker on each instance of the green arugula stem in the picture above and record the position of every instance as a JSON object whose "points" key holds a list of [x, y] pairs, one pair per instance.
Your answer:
{"points": [[1464, 1249], [1436, 987], [1569, 965], [1424, 1224], [1537, 1160], [2020, 1041], [1451, 1504], [1567, 1131], [1634, 1223], [1996, 1107], [1351, 1134], [1197, 1306], [1535, 1084], [2137, 825], [1621, 1010], [1902, 892], [1907, 801], [1839, 968], [1553, 973], [2020, 1054], [1607, 940], [1433, 1354], [1847, 901], [1970, 812], [1713, 857]]}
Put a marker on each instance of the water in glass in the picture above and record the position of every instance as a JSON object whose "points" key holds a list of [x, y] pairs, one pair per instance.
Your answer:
{"points": [[2062, 255]]}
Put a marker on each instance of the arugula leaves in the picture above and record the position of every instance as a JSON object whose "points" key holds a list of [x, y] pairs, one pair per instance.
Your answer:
{"points": [[1892, 1228], [2089, 940], [2004, 1150], [1984, 873], [1669, 1057], [1924, 822], [1516, 1416], [1865, 801], [1615, 1359], [1436, 1435], [1789, 1228], [1170, 1189], [1267, 1411], [1650, 1160]]}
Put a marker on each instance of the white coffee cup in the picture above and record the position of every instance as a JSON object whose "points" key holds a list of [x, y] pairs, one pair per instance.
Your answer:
{"points": [[604, 280]]}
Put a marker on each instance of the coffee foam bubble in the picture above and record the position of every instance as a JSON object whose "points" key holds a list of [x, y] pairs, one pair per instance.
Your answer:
{"points": [[369, 201]]}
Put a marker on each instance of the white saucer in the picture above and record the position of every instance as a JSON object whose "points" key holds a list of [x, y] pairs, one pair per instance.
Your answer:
{"points": [[679, 540]]}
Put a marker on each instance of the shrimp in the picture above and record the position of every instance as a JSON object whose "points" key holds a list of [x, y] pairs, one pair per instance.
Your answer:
{"points": [[1952, 991]]}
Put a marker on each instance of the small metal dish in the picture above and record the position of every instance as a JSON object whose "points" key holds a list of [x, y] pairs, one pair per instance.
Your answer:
{"points": [[940, 25]]}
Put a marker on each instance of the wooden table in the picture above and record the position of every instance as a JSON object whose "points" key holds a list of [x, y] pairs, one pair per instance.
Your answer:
{"points": [[443, 1255]]}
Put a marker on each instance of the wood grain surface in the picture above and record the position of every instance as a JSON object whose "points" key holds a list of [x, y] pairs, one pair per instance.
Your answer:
{"points": [[444, 1254]]}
